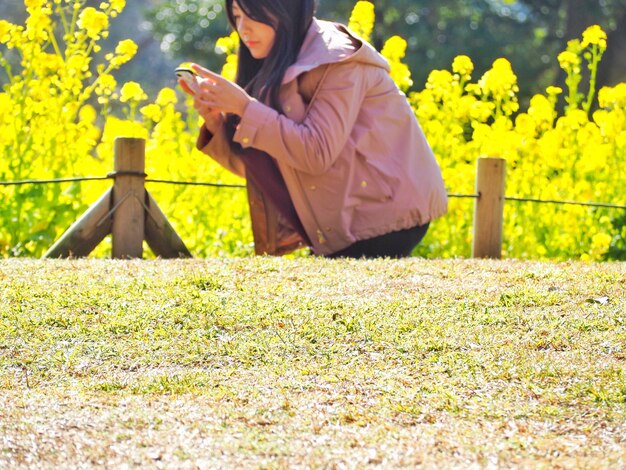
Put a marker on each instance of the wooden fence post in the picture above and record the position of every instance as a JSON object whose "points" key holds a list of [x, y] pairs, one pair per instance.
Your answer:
{"points": [[126, 211], [489, 208], [160, 235], [87, 232], [128, 195]]}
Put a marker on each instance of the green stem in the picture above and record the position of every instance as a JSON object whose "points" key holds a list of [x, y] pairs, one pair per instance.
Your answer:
{"points": [[593, 69], [60, 10], [572, 82], [89, 90], [53, 41], [74, 20], [7, 67]]}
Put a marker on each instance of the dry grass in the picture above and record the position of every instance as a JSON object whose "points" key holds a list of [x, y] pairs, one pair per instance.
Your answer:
{"points": [[310, 363]]}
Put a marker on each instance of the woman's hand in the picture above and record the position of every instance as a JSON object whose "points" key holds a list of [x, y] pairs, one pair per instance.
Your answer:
{"points": [[213, 118], [219, 94]]}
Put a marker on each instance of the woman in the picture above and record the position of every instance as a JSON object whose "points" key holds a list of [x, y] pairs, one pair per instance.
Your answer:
{"points": [[332, 153]]}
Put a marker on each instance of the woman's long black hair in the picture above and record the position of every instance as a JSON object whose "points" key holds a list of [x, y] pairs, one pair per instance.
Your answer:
{"points": [[290, 20]]}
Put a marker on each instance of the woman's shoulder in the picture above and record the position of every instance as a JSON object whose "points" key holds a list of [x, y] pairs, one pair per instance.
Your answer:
{"points": [[333, 39], [332, 43], [323, 44]]}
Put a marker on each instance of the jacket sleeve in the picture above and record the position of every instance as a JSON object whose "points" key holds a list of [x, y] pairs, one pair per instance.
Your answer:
{"points": [[218, 148], [313, 145]]}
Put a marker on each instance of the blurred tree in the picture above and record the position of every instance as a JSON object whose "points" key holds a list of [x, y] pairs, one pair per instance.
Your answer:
{"points": [[530, 33], [436, 33], [150, 66], [562, 20], [188, 29]]}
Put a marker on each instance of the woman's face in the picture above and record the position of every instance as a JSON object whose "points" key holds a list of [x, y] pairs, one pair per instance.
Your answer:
{"points": [[258, 37]]}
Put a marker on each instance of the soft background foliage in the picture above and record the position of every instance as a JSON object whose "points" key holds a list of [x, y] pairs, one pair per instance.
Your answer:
{"points": [[436, 32], [51, 129], [64, 108]]}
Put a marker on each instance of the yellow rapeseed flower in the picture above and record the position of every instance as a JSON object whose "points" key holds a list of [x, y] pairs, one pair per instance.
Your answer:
{"points": [[594, 35], [541, 110], [124, 52], [115, 127], [78, 64], [463, 107], [611, 124], [525, 125], [106, 84], [575, 155], [34, 5], [126, 48], [166, 97], [5, 103], [600, 244], [394, 51], [474, 89], [152, 112], [573, 120], [569, 60], [15, 39], [37, 25], [94, 22], [613, 97], [227, 44], [87, 114], [362, 19], [501, 83], [481, 111], [132, 91], [6, 29], [229, 70], [439, 84], [463, 65], [52, 63], [439, 80], [118, 5], [554, 90]]}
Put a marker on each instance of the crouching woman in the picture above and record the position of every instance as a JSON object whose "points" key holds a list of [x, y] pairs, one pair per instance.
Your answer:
{"points": [[333, 155]]}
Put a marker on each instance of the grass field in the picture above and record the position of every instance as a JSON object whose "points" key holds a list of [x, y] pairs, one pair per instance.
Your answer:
{"points": [[312, 363]]}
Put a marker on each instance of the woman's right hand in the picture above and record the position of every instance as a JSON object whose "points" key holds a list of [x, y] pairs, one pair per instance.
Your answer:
{"points": [[213, 118]]}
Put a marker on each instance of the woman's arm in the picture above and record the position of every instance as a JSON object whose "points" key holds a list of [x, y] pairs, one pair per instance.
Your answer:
{"points": [[313, 145], [212, 139]]}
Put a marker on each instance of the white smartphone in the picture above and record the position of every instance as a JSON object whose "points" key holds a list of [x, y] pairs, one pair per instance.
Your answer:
{"points": [[189, 76]]}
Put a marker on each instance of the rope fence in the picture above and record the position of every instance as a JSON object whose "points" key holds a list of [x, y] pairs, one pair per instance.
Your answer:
{"points": [[54, 180], [129, 178], [111, 176], [565, 203], [243, 186]]}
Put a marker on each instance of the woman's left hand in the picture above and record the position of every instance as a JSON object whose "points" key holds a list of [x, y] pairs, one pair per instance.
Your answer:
{"points": [[220, 93]]}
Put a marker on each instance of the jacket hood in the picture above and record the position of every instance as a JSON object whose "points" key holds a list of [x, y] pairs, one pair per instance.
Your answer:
{"points": [[327, 43]]}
